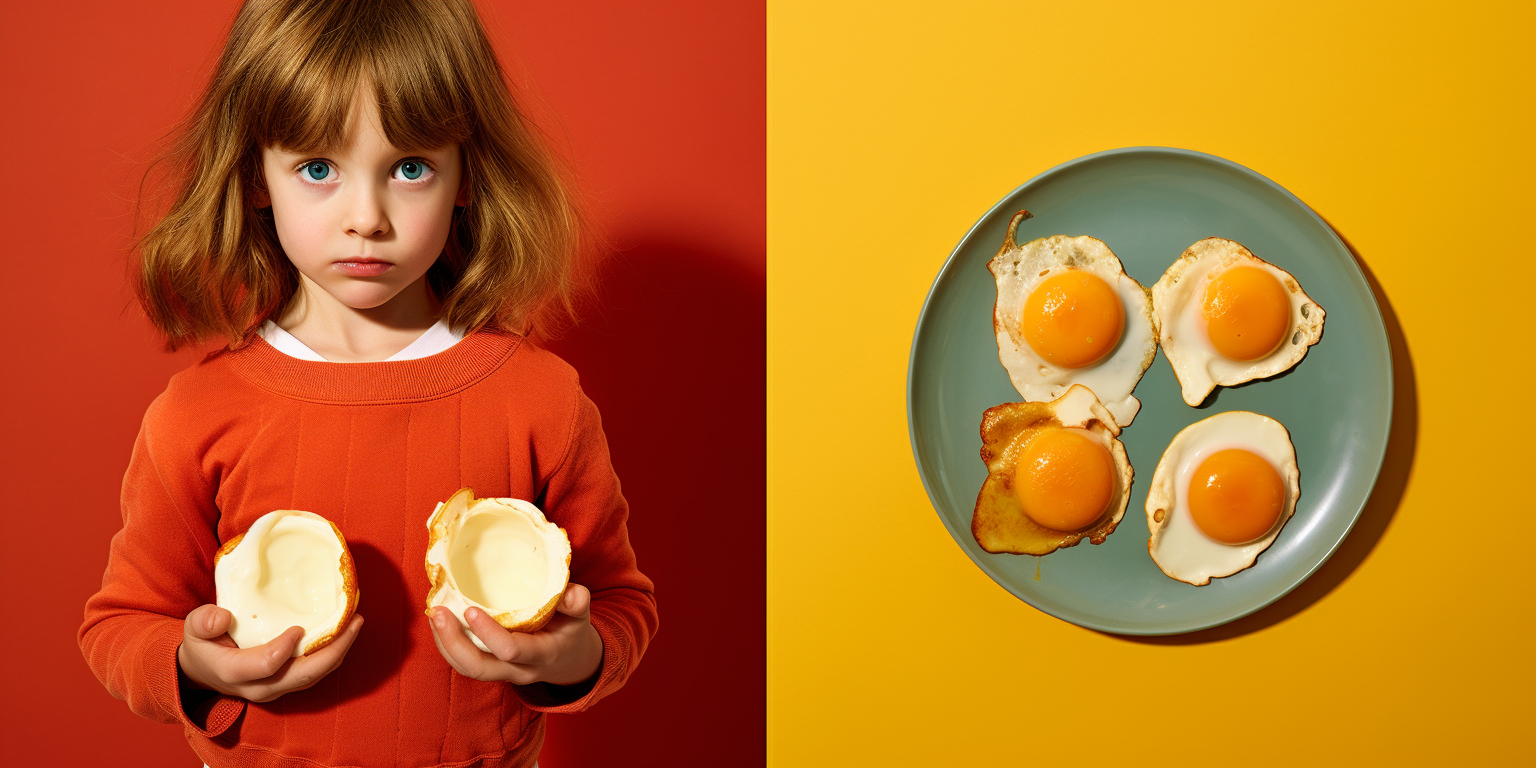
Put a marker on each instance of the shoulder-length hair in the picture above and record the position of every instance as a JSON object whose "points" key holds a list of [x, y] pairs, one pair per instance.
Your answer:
{"points": [[213, 266]]}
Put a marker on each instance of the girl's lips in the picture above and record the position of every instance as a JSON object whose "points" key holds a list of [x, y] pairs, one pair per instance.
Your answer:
{"points": [[363, 268]]}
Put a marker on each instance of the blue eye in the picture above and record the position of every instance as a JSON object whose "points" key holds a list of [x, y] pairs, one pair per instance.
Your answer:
{"points": [[412, 169], [309, 170]]}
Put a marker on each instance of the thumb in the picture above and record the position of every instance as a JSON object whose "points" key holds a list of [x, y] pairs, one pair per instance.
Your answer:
{"points": [[206, 622], [576, 602]]}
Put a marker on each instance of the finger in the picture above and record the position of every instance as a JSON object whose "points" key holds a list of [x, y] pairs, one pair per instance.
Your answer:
{"points": [[329, 657], [243, 665], [207, 622], [502, 643], [438, 641], [522, 655], [456, 647], [576, 602], [518, 648], [307, 670]]}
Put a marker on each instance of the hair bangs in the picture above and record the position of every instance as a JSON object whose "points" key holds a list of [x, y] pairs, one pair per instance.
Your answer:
{"points": [[303, 83], [419, 86], [303, 98]]}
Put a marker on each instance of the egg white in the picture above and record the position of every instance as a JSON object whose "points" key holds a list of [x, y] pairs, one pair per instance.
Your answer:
{"points": [[1178, 300], [1177, 544], [1018, 270]]}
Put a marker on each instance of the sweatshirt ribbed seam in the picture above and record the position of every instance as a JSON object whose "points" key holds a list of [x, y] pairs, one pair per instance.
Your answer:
{"points": [[298, 449], [405, 626], [346, 484], [181, 514], [292, 504], [570, 435], [459, 430]]}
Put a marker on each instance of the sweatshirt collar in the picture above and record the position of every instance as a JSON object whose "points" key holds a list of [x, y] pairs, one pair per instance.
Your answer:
{"points": [[385, 381]]}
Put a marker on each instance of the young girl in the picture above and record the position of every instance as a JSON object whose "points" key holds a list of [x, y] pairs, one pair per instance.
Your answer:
{"points": [[371, 225]]}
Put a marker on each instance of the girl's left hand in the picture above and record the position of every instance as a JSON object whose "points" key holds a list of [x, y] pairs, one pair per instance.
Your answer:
{"points": [[566, 651]]}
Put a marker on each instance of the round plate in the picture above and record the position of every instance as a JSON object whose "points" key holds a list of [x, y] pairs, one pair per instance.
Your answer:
{"points": [[1149, 204]]}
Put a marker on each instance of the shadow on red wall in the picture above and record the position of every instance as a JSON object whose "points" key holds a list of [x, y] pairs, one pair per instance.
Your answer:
{"points": [[672, 354]]}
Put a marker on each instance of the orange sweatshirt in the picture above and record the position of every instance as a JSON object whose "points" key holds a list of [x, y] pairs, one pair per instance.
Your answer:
{"points": [[372, 447]]}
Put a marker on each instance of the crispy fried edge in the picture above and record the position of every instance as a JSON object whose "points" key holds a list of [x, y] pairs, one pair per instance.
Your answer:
{"points": [[1108, 523]]}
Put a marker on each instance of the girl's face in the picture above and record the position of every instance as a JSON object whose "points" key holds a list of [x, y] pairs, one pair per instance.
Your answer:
{"points": [[365, 201]]}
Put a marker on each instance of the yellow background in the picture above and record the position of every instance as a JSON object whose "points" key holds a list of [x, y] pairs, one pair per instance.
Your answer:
{"points": [[893, 127]]}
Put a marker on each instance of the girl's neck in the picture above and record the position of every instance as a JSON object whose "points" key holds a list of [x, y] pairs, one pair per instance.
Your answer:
{"points": [[343, 334]]}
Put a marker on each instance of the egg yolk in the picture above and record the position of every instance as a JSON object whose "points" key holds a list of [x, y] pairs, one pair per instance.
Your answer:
{"points": [[1073, 319], [1247, 313], [1235, 496], [1064, 479]]}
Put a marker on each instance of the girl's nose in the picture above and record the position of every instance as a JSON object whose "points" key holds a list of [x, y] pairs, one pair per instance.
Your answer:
{"points": [[366, 215]]}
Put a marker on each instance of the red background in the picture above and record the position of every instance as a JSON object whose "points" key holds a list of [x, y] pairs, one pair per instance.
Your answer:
{"points": [[660, 109]]}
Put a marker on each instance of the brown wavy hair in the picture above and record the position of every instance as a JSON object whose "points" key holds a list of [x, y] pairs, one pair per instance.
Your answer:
{"points": [[212, 265]]}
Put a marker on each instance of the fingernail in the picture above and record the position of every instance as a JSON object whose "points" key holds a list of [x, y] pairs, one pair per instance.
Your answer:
{"points": [[437, 618]]}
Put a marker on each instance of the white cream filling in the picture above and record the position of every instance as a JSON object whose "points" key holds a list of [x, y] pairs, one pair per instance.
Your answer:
{"points": [[286, 572], [499, 555], [498, 563]]}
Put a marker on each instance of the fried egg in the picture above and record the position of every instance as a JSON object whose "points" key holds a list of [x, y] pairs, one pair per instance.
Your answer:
{"points": [[1220, 495], [1067, 313], [1225, 316], [1055, 475]]}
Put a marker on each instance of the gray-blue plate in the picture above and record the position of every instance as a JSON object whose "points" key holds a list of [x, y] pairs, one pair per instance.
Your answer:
{"points": [[1149, 204]]}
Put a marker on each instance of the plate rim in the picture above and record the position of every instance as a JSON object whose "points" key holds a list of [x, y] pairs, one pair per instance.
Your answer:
{"points": [[1184, 154]]}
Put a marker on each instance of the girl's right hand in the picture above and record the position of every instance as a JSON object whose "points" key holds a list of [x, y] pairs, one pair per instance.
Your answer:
{"points": [[210, 659]]}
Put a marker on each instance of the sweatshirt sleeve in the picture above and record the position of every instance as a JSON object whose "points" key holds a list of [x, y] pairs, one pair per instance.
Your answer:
{"points": [[159, 568], [582, 496]]}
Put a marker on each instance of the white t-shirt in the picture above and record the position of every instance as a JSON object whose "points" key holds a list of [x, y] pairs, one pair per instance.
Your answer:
{"points": [[436, 339]]}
